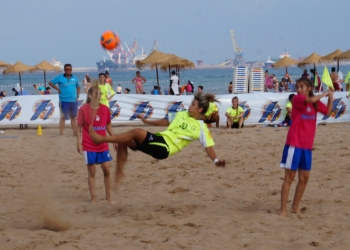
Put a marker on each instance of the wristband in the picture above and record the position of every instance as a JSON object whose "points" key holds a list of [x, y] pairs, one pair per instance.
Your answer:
{"points": [[216, 160]]}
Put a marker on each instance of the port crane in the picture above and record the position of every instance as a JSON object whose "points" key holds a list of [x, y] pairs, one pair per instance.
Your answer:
{"points": [[155, 45], [238, 61]]}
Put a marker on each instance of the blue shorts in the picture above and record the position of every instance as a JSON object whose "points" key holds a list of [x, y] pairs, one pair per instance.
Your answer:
{"points": [[97, 157], [69, 109], [296, 158]]}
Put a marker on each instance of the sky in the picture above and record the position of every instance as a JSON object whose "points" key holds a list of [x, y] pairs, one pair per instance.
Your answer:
{"points": [[70, 30]]}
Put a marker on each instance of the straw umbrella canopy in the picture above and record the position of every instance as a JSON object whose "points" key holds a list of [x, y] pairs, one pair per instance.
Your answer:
{"points": [[19, 68], [285, 62], [153, 60], [3, 64], [177, 63], [311, 59], [343, 56], [45, 66], [331, 57]]}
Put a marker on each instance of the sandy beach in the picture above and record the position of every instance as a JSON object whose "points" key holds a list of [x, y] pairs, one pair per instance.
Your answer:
{"points": [[183, 202]]}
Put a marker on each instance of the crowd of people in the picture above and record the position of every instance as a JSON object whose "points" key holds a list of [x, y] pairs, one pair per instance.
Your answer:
{"points": [[272, 84]]}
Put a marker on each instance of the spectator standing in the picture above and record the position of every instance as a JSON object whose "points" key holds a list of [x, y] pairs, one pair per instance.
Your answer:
{"points": [[334, 77], [230, 88], [119, 89], [68, 88], [108, 79], [174, 84]]}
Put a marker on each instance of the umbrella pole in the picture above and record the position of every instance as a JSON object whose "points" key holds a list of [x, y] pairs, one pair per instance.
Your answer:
{"points": [[20, 81], [178, 74], [286, 69], [45, 78], [157, 76], [338, 65]]}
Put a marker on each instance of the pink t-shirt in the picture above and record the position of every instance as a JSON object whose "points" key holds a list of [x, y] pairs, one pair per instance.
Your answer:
{"points": [[102, 118], [301, 133]]}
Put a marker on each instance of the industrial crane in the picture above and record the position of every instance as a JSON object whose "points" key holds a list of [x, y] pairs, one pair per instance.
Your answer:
{"points": [[238, 61], [155, 45]]}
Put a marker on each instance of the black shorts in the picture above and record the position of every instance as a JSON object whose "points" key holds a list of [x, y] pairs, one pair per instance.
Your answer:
{"points": [[155, 146], [235, 125], [206, 121]]}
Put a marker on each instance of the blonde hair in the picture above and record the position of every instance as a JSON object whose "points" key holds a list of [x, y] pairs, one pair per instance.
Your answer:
{"points": [[204, 99]]}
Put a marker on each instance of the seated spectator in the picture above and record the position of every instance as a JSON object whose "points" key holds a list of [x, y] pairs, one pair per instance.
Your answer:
{"points": [[3, 94], [269, 86], [48, 91], [119, 89], [283, 86], [212, 115], [126, 91], [189, 88], [305, 74], [155, 91], [288, 119], [234, 115]]}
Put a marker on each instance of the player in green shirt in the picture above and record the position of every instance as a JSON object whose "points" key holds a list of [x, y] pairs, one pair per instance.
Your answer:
{"points": [[212, 115], [183, 128], [107, 91], [234, 115]]}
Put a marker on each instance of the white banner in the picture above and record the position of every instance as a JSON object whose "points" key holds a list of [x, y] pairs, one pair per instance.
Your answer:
{"points": [[260, 108]]}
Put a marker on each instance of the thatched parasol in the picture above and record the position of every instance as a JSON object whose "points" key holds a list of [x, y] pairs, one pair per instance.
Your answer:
{"points": [[330, 57], [3, 64], [343, 56], [19, 68], [285, 62], [311, 59], [153, 60], [177, 63], [45, 66]]}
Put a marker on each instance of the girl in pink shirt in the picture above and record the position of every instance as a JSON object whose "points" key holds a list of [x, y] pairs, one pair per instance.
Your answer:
{"points": [[297, 153]]}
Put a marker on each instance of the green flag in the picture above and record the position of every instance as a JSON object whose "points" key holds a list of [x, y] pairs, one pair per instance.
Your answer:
{"points": [[347, 78], [316, 80], [326, 78]]}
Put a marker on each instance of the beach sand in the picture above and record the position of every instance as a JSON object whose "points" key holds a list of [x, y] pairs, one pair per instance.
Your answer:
{"points": [[183, 202]]}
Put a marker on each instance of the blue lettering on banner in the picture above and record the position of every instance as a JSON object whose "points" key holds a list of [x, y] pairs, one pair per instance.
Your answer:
{"points": [[269, 109], [8, 108], [173, 108], [142, 107], [44, 106], [338, 108]]}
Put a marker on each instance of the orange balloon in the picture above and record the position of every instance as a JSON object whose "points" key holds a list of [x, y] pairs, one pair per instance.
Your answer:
{"points": [[109, 40]]}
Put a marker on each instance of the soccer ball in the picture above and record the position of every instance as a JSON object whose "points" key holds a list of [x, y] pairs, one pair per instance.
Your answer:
{"points": [[109, 40]]}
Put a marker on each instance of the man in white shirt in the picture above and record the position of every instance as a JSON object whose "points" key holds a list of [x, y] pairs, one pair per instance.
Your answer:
{"points": [[174, 84], [119, 89]]}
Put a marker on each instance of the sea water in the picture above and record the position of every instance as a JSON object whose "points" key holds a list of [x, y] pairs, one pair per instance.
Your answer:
{"points": [[214, 80]]}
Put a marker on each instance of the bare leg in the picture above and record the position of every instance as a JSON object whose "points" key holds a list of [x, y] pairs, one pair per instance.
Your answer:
{"points": [[74, 126], [299, 191], [276, 87], [62, 123], [240, 122], [106, 174], [288, 179], [91, 181], [229, 123], [216, 119], [134, 134]]}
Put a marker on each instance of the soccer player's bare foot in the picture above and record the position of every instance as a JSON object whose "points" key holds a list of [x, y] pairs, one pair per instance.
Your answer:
{"points": [[283, 212], [96, 138], [295, 211], [110, 201], [118, 178]]}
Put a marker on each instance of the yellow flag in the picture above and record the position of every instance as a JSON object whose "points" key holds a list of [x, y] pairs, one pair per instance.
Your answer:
{"points": [[326, 78]]}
